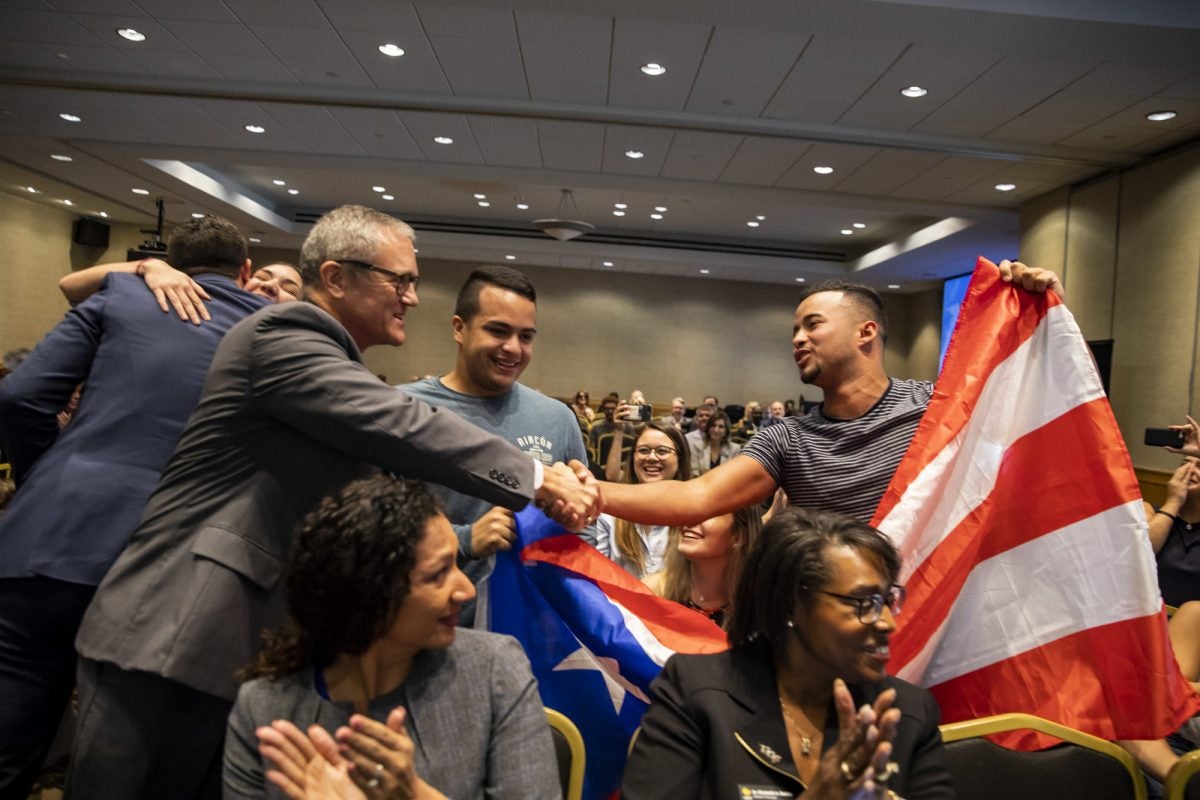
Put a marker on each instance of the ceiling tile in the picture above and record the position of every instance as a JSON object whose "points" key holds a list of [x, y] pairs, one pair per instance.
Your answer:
{"points": [[573, 146], [742, 70], [178, 65], [255, 69], [1132, 78], [844, 158], [298, 42], [566, 56], [510, 142], [28, 55], [832, 74], [384, 18], [97, 59], [678, 46], [699, 156], [466, 21], [48, 27], [653, 143], [379, 131], [210, 10], [424, 126], [274, 12], [217, 38], [980, 108], [313, 72], [763, 161]]}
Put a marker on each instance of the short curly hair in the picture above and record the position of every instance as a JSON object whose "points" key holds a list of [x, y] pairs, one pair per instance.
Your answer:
{"points": [[349, 569]]}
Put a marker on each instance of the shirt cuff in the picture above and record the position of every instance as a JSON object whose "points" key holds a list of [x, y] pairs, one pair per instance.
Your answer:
{"points": [[539, 474]]}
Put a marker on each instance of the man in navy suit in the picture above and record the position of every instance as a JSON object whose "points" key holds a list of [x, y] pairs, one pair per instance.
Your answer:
{"points": [[81, 492]]}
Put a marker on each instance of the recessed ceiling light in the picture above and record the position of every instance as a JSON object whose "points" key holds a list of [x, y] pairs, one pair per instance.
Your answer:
{"points": [[378, 188], [759, 217], [846, 232], [140, 191], [822, 170], [443, 140], [510, 258], [104, 214], [1161, 116], [656, 216], [1005, 187], [660, 209], [914, 91], [31, 190], [255, 128], [278, 182], [893, 286], [255, 240], [703, 272], [71, 117], [523, 206], [60, 157], [653, 69], [479, 196], [634, 153], [799, 280], [858, 225], [484, 204], [620, 205], [753, 223], [197, 215], [67, 203], [618, 213], [293, 191], [388, 196], [131, 34], [393, 50], [606, 263]]}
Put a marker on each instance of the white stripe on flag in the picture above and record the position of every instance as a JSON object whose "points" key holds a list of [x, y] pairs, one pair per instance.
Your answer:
{"points": [[1012, 404], [656, 650], [1093, 572]]}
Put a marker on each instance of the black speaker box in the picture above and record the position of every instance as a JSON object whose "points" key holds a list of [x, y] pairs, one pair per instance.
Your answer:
{"points": [[91, 233]]}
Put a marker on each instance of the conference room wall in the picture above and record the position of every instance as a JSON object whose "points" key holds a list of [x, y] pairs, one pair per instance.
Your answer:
{"points": [[1128, 246], [38, 250], [663, 335]]}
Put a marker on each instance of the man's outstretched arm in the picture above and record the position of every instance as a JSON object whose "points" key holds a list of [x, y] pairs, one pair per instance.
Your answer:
{"points": [[735, 484]]}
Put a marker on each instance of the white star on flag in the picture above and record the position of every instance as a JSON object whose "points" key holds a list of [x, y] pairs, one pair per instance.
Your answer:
{"points": [[609, 669]]}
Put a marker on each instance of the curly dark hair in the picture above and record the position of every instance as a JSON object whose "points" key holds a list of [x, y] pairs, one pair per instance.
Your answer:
{"points": [[349, 569], [788, 563]]}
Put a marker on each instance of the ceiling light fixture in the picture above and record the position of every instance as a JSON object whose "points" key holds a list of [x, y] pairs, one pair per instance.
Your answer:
{"points": [[653, 69], [523, 206], [388, 196], [479, 196], [753, 223], [799, 280], [656, 216], [71, 117], [131, 34], [293, 191], [140, 191], [703, 272], [510, 258], [67, 203], [914, 91], [255, 128], [1005, 187], [760, 217], [560, 226], [255, 240], [104, 214], [393, 50], [484, 204], [31, 190], [378, 188], [606, 263], [822, 170], [60, 157], [893, 286], [1161, 116], [847, 232], [634, 154], [620, 205], [278, 182], [197, 215], [660, 209], [618, 213], [443, 140], [859, 225]]}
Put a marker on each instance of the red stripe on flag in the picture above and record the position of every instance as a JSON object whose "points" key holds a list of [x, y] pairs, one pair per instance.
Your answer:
{"points": [[1007, 518], [1123, 673], [996, 318], [678, 627]]}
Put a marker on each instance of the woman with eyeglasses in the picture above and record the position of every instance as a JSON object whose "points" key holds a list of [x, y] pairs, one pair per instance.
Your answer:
{"points": [[776, 713], [583, 408], [659, 453]]}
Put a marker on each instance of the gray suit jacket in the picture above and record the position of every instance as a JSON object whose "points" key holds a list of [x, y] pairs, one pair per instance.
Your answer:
{"points": [[288, 413], [474, 715]]}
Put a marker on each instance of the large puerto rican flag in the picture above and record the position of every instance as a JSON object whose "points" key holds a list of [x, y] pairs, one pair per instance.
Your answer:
{"points": [[595, 637], [1031, 581]]}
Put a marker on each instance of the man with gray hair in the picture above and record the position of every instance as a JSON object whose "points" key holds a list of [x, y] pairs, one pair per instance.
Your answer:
{"points": [[288, 414]]}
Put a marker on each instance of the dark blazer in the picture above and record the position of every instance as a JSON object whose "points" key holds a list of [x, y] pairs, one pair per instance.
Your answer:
{"points": [[288, 414], [715, 730], [82, 492]]}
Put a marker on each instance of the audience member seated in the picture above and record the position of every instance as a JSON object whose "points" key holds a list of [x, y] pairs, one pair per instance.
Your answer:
{"points": [[747, 426], [701, 570], [1175, 535], [809, 632], [583, 409], [775, 413], [676, 418], [699, 429], [789, 408], [658, 454], [717, 449], [420, 708]]}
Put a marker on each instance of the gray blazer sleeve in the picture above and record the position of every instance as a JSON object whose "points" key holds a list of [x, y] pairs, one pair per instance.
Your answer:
{"points": [[521, 760], [303, 378]]}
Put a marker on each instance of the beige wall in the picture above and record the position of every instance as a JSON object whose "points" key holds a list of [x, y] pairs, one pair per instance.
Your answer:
{"points": [[597, 331], [37, 247], [1128, 246]]}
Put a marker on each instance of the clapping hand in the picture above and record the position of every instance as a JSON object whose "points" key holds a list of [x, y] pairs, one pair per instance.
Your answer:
{"points": [[857, 766]]}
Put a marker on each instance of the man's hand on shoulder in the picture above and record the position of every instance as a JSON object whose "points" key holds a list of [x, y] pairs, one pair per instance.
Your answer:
{"points": [[1031, 278], [570, 495]]}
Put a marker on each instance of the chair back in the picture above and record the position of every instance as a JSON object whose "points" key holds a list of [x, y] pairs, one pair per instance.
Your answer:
{"points": [[568, 750], [1182, 781], [1083, 767]]}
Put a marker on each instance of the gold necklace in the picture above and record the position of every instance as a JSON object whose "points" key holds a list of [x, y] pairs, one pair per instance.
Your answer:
{"points": [[806, 742]]}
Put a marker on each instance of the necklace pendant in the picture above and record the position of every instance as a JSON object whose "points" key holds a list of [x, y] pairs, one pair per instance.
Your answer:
{"points": [[805, 746]]}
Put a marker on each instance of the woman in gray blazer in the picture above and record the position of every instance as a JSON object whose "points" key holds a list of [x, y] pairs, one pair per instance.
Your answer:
{"points": [[372, 656]]}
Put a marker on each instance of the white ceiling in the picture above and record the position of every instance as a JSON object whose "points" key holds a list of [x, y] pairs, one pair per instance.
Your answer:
{"points": [[544, 95]]}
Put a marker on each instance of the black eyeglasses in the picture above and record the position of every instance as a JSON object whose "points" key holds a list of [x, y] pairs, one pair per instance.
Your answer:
{"points": [[399, 281], [870, 607]]}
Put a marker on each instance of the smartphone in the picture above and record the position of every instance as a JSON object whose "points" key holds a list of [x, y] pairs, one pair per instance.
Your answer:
{"points": [[1164, 437], [640, 413]]}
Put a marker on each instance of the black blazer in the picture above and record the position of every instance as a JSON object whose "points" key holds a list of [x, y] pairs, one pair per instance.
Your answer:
{"points": [[715, 730]]}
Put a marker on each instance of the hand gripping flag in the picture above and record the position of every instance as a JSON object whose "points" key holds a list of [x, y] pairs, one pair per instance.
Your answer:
{"points": [[1031, 581], [595, 637]]}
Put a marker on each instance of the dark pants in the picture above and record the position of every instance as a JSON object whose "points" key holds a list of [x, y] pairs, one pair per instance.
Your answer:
{"points": [[144, 736], [38, 621]]}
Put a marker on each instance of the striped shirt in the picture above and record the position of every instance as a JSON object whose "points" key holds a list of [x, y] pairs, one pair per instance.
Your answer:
{"points": [[842, 465]]}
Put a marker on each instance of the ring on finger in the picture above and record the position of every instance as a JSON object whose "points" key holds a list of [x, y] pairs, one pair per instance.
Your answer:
{"points": [[371, 784], [847, 772], [886, 775]]}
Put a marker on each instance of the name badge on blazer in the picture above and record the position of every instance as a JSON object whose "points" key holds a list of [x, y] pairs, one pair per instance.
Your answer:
{"points": [[748, 791]]}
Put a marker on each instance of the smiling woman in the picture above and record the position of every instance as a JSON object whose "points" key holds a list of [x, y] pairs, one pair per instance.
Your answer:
{"points": [[372, 655]]}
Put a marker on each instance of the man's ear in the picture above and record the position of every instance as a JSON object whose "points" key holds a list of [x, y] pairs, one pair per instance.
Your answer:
{"points": [[333, 278], [868, 332], [244, 273], [457, 325]]}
